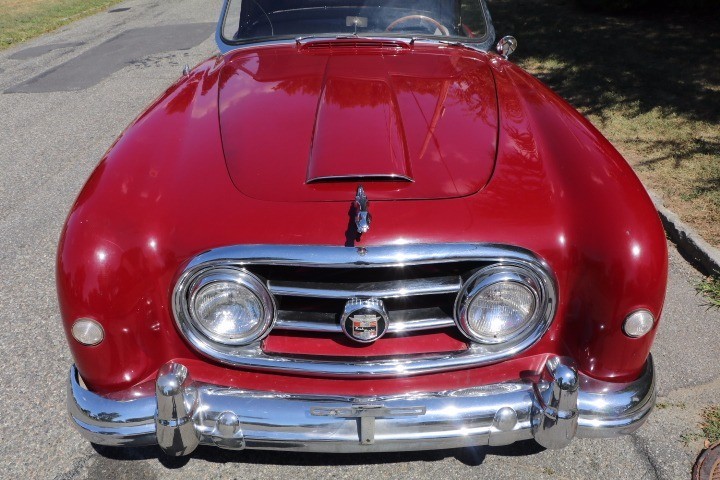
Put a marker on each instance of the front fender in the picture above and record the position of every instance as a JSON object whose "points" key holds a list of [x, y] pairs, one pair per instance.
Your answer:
{"points": [[121, 244], [613, 243]]}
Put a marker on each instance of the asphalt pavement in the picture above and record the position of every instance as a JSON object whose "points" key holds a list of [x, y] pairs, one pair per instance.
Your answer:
{"points": [[66, 97]]}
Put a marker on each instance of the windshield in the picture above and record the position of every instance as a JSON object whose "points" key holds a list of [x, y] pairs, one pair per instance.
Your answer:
{"points": [[262, 20]]}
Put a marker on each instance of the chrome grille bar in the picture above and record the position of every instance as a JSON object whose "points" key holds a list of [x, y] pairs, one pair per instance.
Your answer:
{"points": [[307, 322], [389, 289], [401, 321]]}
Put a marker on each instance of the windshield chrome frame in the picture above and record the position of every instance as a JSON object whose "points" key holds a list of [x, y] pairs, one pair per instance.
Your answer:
{"points": [[483, 44]]}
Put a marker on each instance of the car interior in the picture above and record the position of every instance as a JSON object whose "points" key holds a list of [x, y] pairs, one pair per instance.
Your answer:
{"points": [[267, 18]]}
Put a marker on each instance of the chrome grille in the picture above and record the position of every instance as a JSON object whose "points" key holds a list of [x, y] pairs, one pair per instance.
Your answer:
{"points": [[417, 283], [316, 306]]}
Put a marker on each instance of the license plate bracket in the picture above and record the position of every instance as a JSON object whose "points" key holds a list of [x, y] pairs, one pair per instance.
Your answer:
{"points": [[366, 415]]}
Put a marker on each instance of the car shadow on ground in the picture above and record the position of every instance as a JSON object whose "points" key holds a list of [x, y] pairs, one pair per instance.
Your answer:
{"points": [[471, 456]]}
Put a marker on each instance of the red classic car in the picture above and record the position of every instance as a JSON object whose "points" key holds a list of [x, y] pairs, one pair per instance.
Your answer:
{"points": [[360, 229]]}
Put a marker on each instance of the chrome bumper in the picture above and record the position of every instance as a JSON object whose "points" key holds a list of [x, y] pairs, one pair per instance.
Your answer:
{"points": [[557, 406]]}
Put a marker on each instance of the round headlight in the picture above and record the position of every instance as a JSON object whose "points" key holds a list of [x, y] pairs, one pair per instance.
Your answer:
{"points": [[500, 304], [230, 306]]}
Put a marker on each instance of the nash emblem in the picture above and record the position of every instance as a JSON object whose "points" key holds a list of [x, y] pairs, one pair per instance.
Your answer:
{"points": [[365, 327], [364, 319]]}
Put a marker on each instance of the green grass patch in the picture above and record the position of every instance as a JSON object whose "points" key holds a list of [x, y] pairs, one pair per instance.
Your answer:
{"points": [[711, 423], [710, 287], [22, 20], [665, 405], [710, 426]]}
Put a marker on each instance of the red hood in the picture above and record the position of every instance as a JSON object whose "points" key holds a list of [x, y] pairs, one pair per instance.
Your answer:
{"points": [[303, 124], [570, 198]]}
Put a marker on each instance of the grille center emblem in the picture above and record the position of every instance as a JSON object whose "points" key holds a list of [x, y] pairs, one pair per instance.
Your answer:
{"points": [[364, 319]]}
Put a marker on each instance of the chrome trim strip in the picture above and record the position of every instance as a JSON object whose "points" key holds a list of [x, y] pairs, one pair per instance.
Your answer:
{"points": [[290, 321], [389, 289], [496, 414], [362, 176], [366, 257], [400, 321], [419, 324], [252, 356]]}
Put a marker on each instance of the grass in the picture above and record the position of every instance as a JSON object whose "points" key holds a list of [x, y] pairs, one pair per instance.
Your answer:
{"points": [[710, 426], [22, 20], [665, 405], [710, 287], [648, 80], [711, 423]]}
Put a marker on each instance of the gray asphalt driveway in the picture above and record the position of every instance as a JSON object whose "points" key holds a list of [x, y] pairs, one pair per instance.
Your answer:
{"points": [[66, 97]]}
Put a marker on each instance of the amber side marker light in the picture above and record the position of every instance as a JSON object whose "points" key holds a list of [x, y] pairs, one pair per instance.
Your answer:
{"points": [[638, 323], [88, 332]]}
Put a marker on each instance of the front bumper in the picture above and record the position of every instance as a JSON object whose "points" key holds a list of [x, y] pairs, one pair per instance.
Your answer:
{"points": [[552, 407]]}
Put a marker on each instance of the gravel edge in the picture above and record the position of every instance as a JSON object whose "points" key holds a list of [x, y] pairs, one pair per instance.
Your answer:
{"points": [[688, 241]]}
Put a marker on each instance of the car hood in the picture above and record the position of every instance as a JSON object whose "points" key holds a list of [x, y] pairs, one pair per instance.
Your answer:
{"points": [[310, 124]]}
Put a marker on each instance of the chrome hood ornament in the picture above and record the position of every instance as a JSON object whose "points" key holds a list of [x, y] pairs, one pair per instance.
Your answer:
{"points": [[362, 214]]}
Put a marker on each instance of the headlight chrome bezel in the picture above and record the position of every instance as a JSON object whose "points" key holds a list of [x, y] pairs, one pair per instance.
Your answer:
{"points": [[192, 283], [537, 283]]}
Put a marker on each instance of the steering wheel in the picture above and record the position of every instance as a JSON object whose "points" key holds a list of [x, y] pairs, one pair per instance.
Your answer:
{"points": [[443, 29]]}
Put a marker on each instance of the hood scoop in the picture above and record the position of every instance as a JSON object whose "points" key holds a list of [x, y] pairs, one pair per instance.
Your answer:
{"points": [[367, 144], [309, 127]]}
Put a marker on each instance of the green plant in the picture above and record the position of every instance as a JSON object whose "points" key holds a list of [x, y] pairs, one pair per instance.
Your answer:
{"points": [[711, 423], [22, 20], [710, 288]]}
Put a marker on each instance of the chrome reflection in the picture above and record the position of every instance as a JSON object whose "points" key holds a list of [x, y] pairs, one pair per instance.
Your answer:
{"points": [[506, 46], [362, 211], [234, 418], [252, 356]]}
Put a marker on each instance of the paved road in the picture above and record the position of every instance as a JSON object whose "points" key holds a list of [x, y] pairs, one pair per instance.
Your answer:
{"points": [[68, 95]]}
